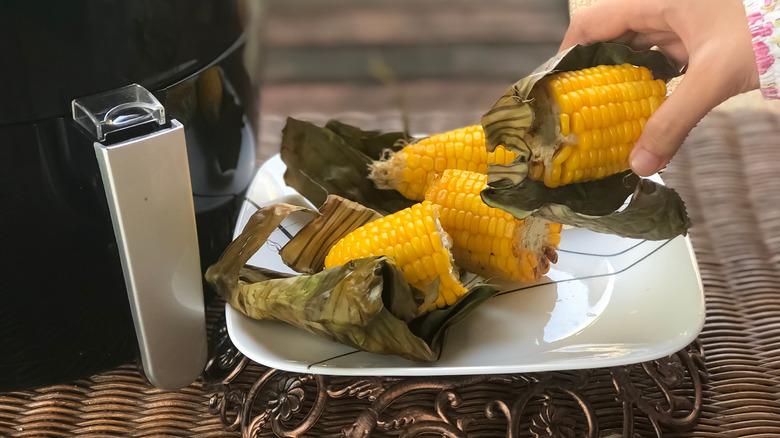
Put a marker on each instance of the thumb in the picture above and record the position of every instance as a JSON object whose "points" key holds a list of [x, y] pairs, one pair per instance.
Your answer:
{"points": [[667, 128]]}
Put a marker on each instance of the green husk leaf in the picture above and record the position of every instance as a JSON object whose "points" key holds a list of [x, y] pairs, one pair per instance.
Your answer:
{"points": [[366, 304], [334, 160], [594, 198], [520, 121], [370, 143], [432, 326], [655, 212], [307, 250]]}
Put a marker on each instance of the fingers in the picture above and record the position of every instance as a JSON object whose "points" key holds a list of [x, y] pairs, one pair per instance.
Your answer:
{"points": [[667, 42], [604, 21], [667, 128]]}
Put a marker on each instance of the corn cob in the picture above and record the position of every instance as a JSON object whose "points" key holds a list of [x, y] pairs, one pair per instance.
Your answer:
{"points": [[412, 169], [412, 236], [600, 113], [490, 241]]}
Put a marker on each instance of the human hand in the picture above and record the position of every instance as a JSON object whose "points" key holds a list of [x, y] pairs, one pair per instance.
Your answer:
{"points": [[712, 37]]}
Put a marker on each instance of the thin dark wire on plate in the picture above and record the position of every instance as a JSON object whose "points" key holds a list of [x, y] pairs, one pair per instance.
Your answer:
{"points": [[602, 255], [332, 358], [286, 233], [587, 277]]}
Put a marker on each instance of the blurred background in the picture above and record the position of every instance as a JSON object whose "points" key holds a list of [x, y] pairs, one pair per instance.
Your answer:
{"points": [[443, 61]]}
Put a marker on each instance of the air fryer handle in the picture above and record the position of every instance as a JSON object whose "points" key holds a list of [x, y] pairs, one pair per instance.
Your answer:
{"points": [[147, 185]]}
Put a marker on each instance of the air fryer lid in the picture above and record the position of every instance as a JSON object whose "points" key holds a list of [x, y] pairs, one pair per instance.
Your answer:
{"points": [[54, 51]]}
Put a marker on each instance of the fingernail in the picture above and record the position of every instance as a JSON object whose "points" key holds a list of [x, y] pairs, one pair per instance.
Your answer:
{"points": [[644, 162]]}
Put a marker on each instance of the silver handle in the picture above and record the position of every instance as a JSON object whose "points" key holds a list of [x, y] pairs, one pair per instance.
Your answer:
{"points": [[147, 184]]}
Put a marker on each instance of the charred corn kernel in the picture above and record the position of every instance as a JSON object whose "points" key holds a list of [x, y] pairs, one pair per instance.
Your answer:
{"points": [[602, 113], [420, 248], [410, 170], [490, 241]]}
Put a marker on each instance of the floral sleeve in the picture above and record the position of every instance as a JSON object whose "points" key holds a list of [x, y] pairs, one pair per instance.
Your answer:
{"points": [[764, 20]]}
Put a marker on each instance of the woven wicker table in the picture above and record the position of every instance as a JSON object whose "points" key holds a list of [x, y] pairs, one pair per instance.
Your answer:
{"points": [[725, 384]]}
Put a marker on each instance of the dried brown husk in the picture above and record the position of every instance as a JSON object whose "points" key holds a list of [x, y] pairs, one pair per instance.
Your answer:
{"points": [[512, 122], [224, 275], [307, 250]]}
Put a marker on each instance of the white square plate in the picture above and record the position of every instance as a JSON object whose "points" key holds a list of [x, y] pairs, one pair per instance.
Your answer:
{"points": [[609, 301]]}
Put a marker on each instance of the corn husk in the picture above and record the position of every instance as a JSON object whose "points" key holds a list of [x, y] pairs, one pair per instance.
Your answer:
{"points": [[307, 250], [366, 304], [224, 275], [335, 159], [517, 121]]}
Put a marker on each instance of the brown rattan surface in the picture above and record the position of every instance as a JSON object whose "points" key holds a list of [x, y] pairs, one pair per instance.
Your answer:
{"points": [[729, 175]]}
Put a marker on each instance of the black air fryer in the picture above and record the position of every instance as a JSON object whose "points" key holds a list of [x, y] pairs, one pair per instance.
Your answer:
{"points": [[126, 144]]}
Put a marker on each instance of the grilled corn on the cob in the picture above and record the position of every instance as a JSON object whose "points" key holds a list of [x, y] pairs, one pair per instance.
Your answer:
{"points": [[490, 241], [599, 113], [412, 169], [415, 238]]}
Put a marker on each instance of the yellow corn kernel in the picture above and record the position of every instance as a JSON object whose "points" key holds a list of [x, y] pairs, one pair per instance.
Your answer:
{"points": [[615, 115], [565, 129], [654, 102], [598, 139], [587, 117], [576, 100], [586, 140], [426, 162], [562, 155], [646, 75], [646, 110], [573, 161], [577, 123], [603, 95], [567, 85], [597, 118], [565, 103]]}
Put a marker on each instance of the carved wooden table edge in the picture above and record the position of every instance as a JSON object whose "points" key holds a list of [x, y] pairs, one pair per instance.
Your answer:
{"points": [[644, 399]]}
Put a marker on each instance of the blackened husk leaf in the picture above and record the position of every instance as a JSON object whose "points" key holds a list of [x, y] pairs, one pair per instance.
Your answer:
{"points": [[307, 250], [592, 205], [365, 303], [333, 160]]}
